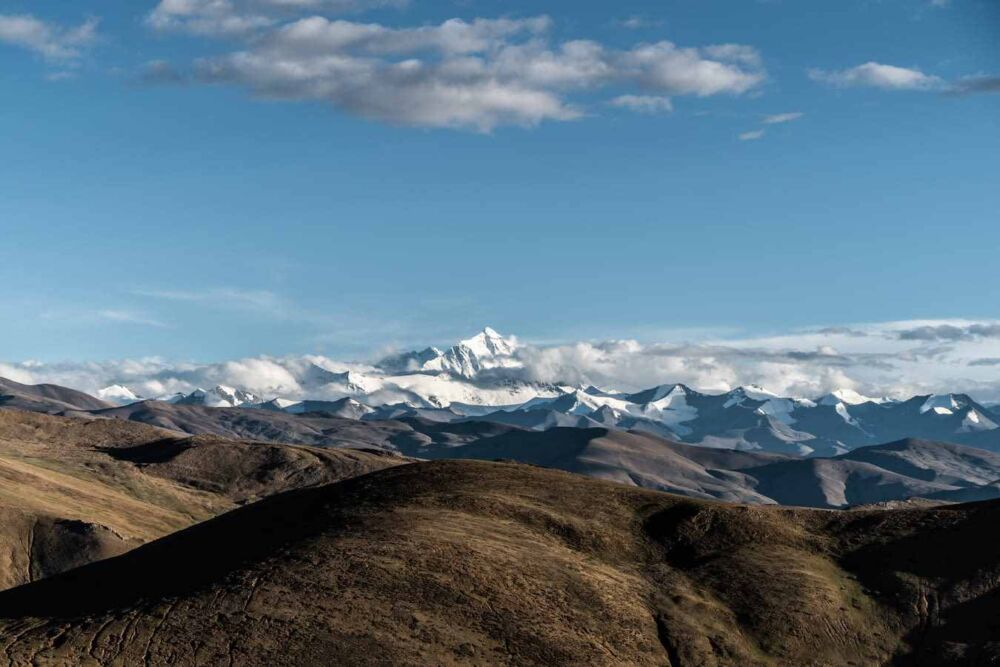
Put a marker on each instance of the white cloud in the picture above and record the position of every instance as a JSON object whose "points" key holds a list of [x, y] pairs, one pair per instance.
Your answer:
{"points": [[476, 74], [53, 42], [17, 373], [877, 75], [649, 104], [893, 358], [241, 17], [320, 36], [779, 118], [752, 135]]}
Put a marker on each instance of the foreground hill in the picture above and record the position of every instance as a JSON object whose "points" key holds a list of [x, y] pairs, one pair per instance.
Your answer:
{"points": [[74, 490], [483, 563]]}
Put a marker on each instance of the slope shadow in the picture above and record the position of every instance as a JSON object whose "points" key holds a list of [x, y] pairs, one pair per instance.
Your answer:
{"points": [[159, 451], [179, 563]]}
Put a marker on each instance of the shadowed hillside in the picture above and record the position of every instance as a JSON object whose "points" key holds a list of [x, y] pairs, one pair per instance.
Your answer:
{"points": [[73, 490], [486, 563], [894, 471], [410, 436]]}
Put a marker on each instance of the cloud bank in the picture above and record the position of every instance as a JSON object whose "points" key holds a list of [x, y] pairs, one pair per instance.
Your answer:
{"points": [[894, 359]]}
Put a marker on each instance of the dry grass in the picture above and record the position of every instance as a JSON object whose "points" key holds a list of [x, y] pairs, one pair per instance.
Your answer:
{"points": [[454, 563], [56, 469]]}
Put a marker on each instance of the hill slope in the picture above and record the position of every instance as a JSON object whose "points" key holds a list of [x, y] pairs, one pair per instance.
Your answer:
{"points": [[47, 398], [890, 472], [321, 429], [474, 562], [630, 458], [73, 490]]}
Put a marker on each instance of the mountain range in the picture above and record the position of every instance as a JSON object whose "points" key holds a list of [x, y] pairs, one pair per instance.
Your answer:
{"points": [[180, 533], [478, 379], [893, 471]]}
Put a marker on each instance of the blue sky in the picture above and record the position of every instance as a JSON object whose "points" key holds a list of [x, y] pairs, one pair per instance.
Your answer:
{"points": [[156, 199]]}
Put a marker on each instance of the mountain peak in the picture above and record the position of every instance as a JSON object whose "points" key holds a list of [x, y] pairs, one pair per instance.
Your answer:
{"points": [[487, 349], [489, 343], [941, 404], [118, 393], [846, 396]]}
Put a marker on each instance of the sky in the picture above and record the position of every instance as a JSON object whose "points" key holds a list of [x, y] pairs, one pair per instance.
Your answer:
{"points": [[198, 180]]}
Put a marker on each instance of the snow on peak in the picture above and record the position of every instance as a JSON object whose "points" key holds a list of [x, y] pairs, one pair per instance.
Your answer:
{"points": [[976, 421], [771, 404], [756, 392], [941, 404], [487, 349], [277, 403], [119, 394], [220, 396], [489, 343], [847, 397], [667, 391]]}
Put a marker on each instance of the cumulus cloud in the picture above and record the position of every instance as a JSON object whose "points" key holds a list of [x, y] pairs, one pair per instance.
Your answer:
{"points": [[51, 41], [648, 104], [878, 75], [477, 74]]}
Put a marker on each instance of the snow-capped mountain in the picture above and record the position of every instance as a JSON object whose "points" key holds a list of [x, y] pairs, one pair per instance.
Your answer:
{"points": [[486, 350], [118, 394], [346, 408], [752, 418], [847, 397], [220, 396], [477, 379]]}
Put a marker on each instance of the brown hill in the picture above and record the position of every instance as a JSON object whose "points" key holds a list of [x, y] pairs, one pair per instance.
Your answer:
{"points": [[73, 490], [49, 398], [462, 562], [410, 436]]}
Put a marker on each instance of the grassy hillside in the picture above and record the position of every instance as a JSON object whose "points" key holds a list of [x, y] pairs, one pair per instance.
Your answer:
{"points": [[462, 562], [74, 490]]}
